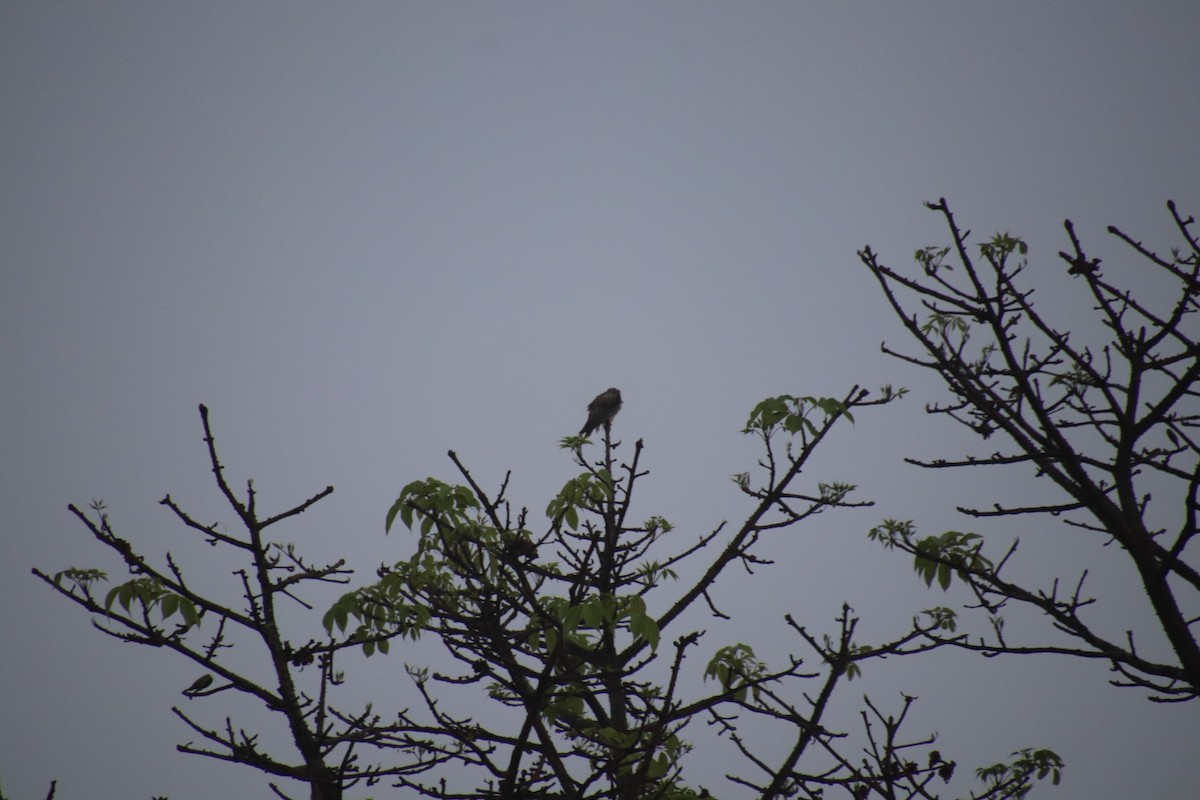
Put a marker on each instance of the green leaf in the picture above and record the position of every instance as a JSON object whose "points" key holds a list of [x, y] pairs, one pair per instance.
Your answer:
{"points": [[944, 576], [767, 414], [942, 618], [593, 613], [940, 557], [188, 609], [644, 627], [571, 617], [615, 738], [339, 614], [80, 577], [396, 508], [734, 665], [831, 406]]}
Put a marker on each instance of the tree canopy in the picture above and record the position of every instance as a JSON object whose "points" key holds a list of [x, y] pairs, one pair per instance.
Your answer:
{"points": [[575, 662]]}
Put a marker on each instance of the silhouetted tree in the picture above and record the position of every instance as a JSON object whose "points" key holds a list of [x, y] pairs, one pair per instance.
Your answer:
{"points": [[570, 637], [161, 608], [575, 636], [1109, 421], [565, 626]]}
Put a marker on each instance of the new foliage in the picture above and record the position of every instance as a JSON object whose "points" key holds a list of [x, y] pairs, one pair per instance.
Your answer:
{"points": [[574, 639], [574, 661]]}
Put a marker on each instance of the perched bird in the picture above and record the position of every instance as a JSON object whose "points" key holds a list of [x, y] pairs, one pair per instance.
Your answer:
{"points": [[602, 410], [200, 684]]}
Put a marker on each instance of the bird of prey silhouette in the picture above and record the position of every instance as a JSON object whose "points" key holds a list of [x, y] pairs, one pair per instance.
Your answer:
{"points": [[602, 410]]}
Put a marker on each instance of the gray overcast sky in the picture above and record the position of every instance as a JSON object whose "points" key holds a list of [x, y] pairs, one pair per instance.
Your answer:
{"points": [[364, 233]]}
